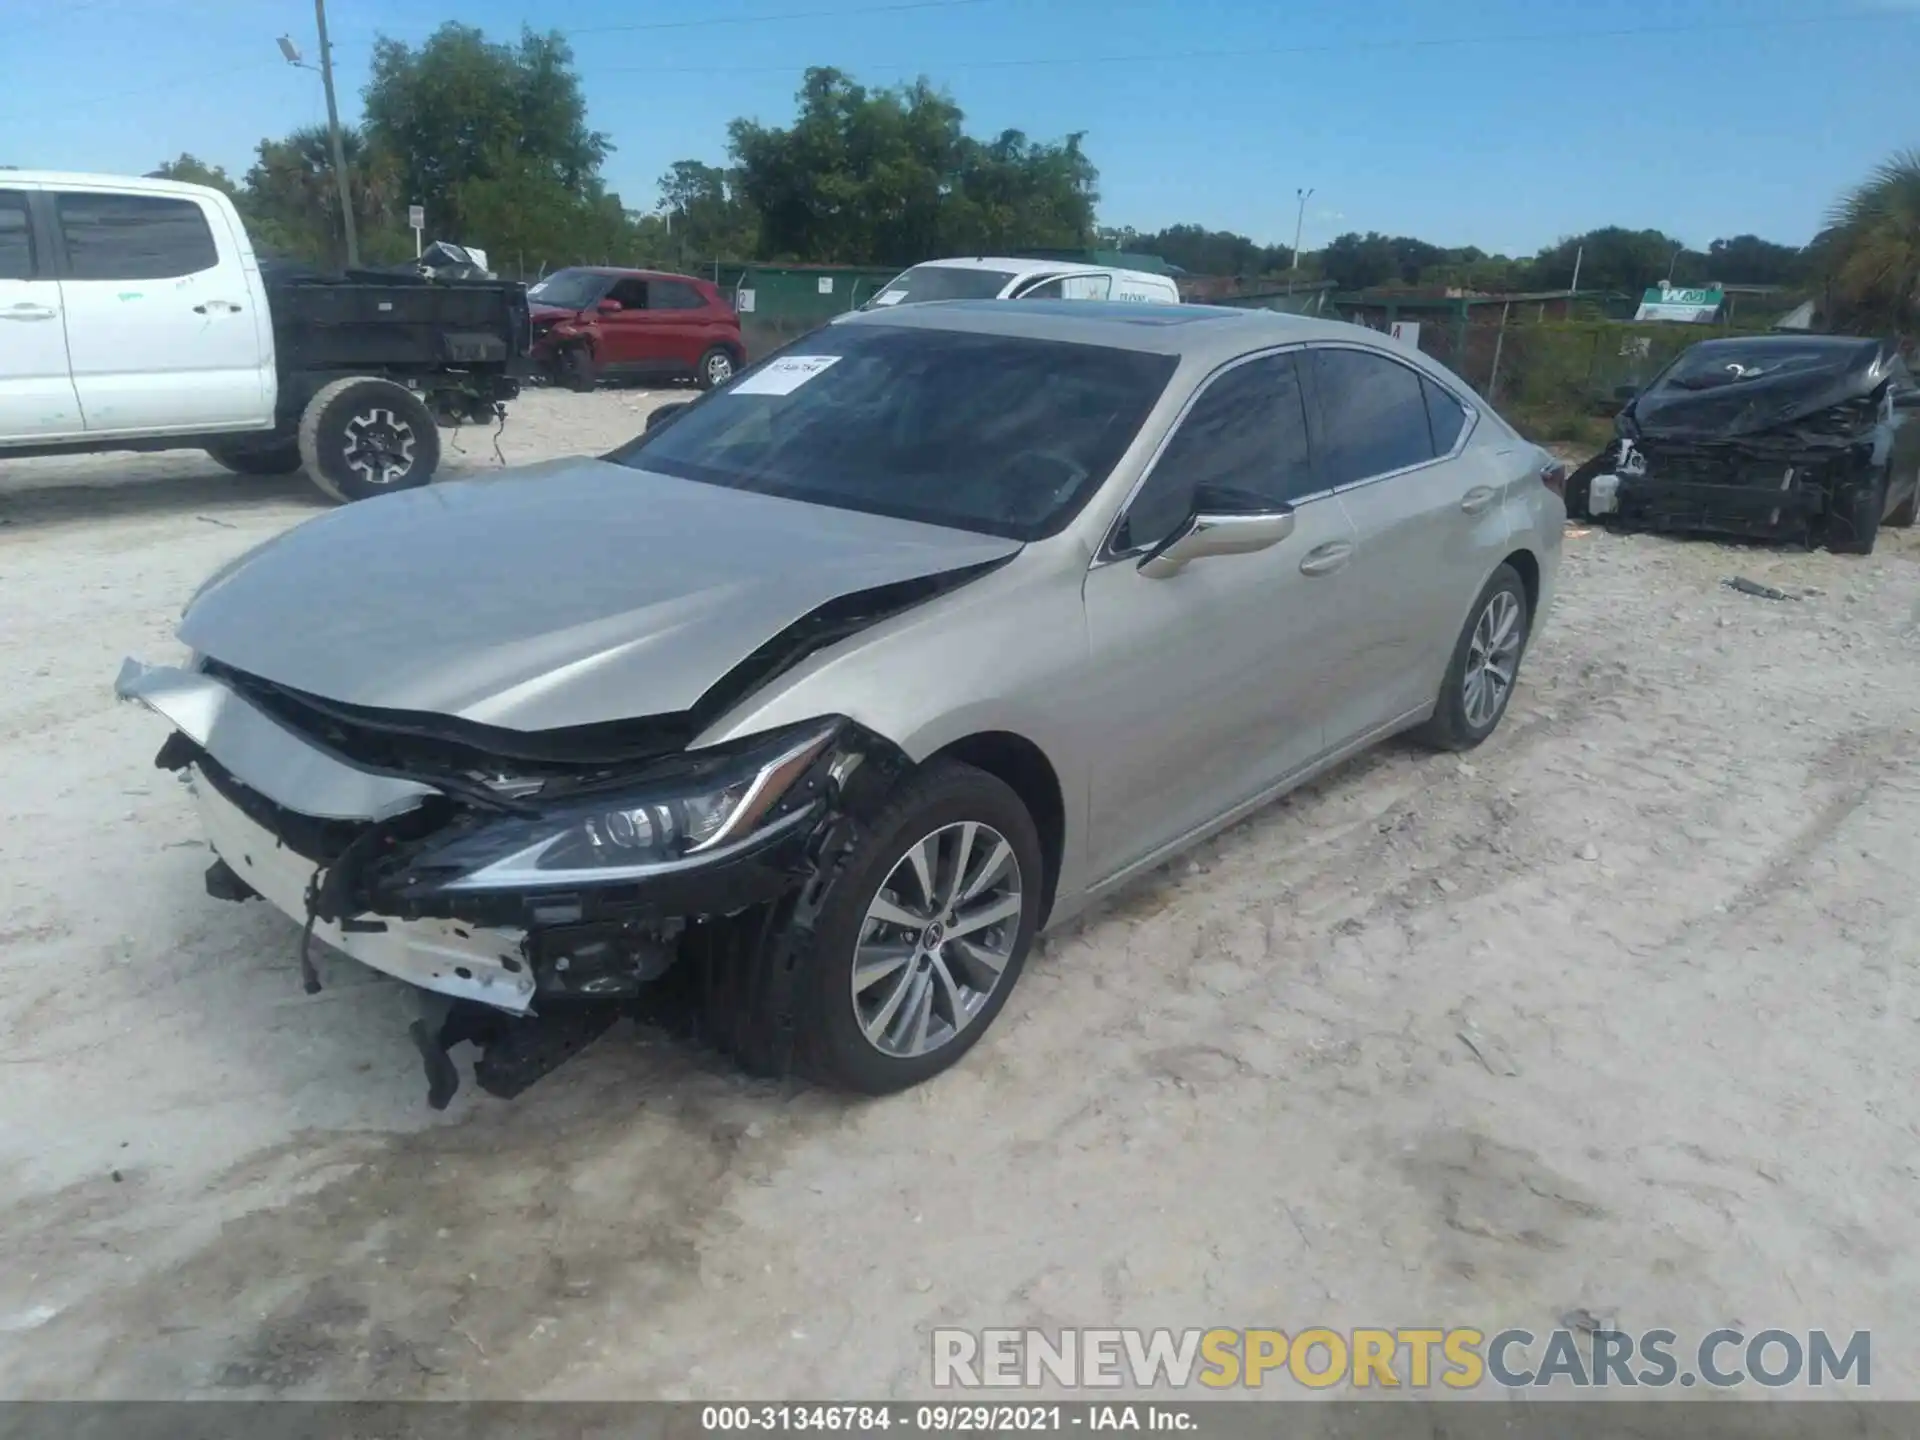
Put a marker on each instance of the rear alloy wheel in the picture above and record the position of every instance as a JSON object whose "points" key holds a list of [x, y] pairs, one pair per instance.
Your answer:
{"points": [[362, 437], [716, 368], [924, 933], [1485, 666]]}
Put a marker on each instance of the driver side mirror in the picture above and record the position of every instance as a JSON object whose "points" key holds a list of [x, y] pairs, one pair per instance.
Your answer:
{"points": [[1223, 522], [609, 307], [662, 414]]}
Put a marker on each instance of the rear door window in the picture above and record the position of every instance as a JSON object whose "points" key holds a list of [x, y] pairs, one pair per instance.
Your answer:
{"points": [[16, 237], [1246, 433], [1445, 415], [673, 295], [1373, 416], [134, 237]]}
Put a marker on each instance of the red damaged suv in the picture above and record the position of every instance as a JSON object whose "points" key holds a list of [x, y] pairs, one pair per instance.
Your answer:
{"points": [[590, 322]]}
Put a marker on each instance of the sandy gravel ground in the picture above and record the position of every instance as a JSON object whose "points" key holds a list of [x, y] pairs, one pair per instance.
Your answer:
{"points": [[1674, 902]]}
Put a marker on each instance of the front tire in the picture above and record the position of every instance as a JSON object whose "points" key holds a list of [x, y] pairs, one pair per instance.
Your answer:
{"points": [[923, 934], [279, 458], [1485, 666], [1903, 514], [716, 368], [582, 375], [1853, 528], [362, 437]]}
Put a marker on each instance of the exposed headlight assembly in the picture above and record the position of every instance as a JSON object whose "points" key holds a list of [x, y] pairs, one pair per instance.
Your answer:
{"points": [[712, 807]]}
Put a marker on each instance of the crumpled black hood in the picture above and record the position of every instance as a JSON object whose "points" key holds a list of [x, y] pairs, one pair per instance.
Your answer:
{"points": [[1690, 409]]}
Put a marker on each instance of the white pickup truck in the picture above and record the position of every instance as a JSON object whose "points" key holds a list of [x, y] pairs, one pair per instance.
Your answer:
{"points": [[135, 316]]}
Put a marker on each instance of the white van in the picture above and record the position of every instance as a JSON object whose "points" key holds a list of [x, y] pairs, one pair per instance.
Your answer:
{"points": [[987, 277]]}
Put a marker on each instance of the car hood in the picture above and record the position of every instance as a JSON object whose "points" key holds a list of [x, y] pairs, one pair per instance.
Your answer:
{"points": [[567, 593]]}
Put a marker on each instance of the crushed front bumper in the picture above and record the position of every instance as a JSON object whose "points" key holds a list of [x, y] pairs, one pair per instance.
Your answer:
{"points": [[486, 966], [528, 975], [1755, 489]]}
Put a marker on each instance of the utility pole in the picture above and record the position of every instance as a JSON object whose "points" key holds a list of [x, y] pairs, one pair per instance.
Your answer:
{"points": [[339, 145], [1578, 256], [1299, 224]]}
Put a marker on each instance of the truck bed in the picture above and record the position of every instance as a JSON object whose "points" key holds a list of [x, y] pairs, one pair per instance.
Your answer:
{"points": [[396, 322]]}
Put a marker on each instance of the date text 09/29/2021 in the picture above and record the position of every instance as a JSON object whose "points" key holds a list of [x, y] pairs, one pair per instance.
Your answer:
{"points": [[946, 1419]]}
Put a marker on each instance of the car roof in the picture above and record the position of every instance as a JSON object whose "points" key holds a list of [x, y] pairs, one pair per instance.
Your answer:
{"points": [[625, 273], [84, 180], [1023, 266], [1207, 332], [1790, 342]]}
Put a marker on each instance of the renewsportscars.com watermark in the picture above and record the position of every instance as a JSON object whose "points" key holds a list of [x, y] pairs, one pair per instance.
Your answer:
{"points": [[1457, 1358]]}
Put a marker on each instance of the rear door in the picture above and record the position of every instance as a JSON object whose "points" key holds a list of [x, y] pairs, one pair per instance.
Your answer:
{"points": [[37, 399], [159, 315], [1428, 522], [680, 314]]}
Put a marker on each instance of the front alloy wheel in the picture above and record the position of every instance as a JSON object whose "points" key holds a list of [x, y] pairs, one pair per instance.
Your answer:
{"points": [[922, 934], [937, 939]]}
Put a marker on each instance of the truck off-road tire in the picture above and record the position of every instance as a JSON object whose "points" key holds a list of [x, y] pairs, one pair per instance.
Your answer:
{"points": [[716, 368], [1852, 529], [1902, 516], [581, 374], [282, 457], [363, 436], [1485, 666], [890, 995]]}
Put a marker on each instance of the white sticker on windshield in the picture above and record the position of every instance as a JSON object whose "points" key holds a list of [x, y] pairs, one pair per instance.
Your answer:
{"points": [[890, 297], [784, 376]]}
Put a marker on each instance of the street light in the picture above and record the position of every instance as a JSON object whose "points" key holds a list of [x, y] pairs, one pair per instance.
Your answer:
{"points": [[290, 52], [1673, 262], [1299, 223]]}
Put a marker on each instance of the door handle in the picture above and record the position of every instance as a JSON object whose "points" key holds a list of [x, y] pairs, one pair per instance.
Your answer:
{"points": [[1325, 559], [216, 307], [1478, 499], [28, 312]]}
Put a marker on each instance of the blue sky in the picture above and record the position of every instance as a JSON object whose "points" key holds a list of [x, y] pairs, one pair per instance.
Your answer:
{"points": [[1498, 123]]}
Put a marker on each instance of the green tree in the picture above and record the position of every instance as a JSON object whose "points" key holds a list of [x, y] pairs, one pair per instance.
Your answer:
{"points": [[1872, 251], [493, 140], [703, 214], [195, 171], [291, 202], [890, 176]]}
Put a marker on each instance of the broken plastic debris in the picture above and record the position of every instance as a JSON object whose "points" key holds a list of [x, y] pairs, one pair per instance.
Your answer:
{"points": [[1754, 587]]}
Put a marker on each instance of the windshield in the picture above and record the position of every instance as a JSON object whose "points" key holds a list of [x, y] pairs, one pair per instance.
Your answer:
{"points": [[941, 282], [569, 289], [990, 433], [1708, 367]]}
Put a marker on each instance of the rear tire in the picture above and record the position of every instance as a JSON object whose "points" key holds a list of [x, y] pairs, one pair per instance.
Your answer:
{"points": [[582, 375], [281, 457], [1905, 512], [716, 368], [1497, 629], [1853, 529], [361, 437]]}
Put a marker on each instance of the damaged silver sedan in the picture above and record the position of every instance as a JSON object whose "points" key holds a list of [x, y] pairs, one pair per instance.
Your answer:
{"points": [[1788, 437], [799, 716]]}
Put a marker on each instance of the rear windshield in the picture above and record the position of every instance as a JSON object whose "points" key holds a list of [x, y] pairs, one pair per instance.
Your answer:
{"points": [[570, 289], [941, 282], [1709, 367], [989, 433]]}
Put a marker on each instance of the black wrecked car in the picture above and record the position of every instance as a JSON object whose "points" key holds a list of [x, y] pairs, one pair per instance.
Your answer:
{"points": [[1790, 437]]}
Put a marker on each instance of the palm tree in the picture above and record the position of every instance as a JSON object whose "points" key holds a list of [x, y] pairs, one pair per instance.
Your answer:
{"points": [[1875, 245]]}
